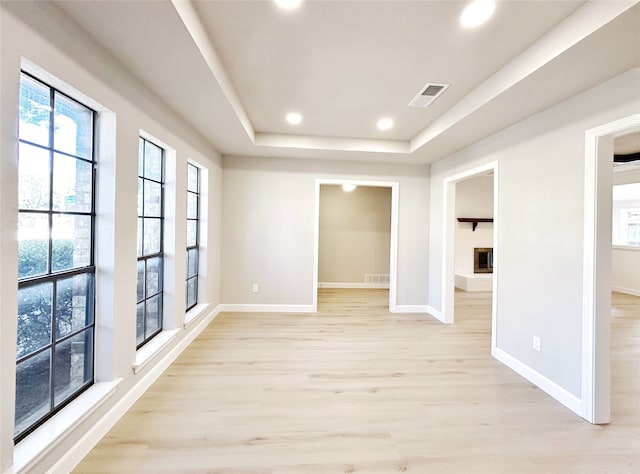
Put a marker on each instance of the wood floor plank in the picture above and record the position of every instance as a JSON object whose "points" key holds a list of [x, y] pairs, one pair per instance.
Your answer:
{"points": [[354, 388]]}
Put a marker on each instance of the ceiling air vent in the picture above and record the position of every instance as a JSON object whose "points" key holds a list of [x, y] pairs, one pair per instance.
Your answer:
{"points": [[428, 94]]}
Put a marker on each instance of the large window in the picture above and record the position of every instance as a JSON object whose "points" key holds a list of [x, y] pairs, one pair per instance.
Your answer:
{"points": [[150, 241], [193, 234], [55, 356]]}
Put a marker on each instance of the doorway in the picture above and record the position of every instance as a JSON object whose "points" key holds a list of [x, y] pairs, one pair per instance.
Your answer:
{"points": [[393, 237], [596, 322], [449, 243]]}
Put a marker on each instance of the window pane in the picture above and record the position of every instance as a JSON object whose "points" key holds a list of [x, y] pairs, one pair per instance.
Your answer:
{"points": [[35, 111], [139, 237], [72, 183], [73, 131], [192, 178], [140, 281], [71, 242], [140, 157], [154, 276], [74, 309], [191, 292], [33, 177], [192, 206], [73, 365], [32, 390], [34, 318], [153, 316], [140, 323], [140, 196], [152, 199], [192, 262], [152, 236], [152, 161], [33, 244], [192, 233]]}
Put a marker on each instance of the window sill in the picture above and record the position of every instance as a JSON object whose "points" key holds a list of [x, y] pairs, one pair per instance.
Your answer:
{"points": [[52, 432], [194, 313], [146, 353], [633, 248]]}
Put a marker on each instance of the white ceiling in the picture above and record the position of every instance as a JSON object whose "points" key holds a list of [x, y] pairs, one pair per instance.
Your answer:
{"points": [[233, 69]]}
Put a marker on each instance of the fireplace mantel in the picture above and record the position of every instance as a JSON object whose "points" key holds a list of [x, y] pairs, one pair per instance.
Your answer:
{"points": [[475, 220]]}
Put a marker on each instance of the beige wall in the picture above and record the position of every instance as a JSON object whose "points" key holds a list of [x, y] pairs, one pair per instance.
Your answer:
{"points": [[355, 233]]}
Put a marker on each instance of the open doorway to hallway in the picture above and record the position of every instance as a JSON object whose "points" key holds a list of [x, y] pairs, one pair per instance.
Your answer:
{"points": [[354, 239], [356, 236]]}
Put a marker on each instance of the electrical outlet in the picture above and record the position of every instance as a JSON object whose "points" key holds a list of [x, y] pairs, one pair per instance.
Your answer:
{"points": [[255, 288], [536, 343]]}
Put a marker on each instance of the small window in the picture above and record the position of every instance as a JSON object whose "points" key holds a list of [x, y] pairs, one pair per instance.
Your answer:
{"points": [[56, 272], [150, 241], [193, 234], [630, 223]]}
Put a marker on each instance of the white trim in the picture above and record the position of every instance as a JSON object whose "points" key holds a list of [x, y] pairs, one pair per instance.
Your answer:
{"points": [[551, 388], [630, 248], [412, 308], [627, 291], [331, 284], [146, 353], [95, 433], [595, 352], [393, 247], [267, 308], [435, 313], [34, 447], [194, 313]]}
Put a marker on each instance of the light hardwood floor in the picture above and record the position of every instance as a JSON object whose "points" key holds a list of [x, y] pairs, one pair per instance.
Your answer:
{"points": [[354, 388]]}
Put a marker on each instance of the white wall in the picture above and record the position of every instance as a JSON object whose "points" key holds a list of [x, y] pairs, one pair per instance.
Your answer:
{"points": [[355, 233], [541, 204], [268, 227], [38, 32], [474, 198]]}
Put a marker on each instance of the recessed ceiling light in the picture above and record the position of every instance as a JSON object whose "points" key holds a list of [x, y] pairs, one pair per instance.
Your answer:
{"points": [[385, 123], [476, 13], [294, 118], [288, 4], [348, 187]]}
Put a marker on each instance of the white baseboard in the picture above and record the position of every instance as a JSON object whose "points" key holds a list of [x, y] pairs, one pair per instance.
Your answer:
{"points": [[329, 284], [267, 308], [86, 443], [435, 313], [569, 400], [411, 308], [627, 291]]}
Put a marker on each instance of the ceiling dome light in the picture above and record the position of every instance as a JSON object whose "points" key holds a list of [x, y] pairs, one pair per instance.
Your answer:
{"points": [[294, 118], [288, 4], [347, 188], [476, 13], [385, 123]]}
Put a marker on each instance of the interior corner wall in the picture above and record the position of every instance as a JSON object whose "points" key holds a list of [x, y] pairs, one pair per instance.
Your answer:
{"points": [[541, 212], [474, 198], [40, 33], [269, 219], [354, 234]]}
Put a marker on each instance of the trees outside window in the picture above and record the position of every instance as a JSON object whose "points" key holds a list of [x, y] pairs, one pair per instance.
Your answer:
{"points": [[56, 217]]}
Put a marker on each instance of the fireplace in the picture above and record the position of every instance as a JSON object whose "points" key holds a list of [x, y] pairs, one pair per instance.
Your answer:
{"points": [[483, 260]]}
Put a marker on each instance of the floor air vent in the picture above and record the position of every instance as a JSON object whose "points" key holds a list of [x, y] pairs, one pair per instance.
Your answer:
{"points": [[376, 278]]}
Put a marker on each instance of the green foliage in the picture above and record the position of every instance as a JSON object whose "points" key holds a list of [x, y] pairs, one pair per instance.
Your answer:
{"points": [[34, 302]]}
